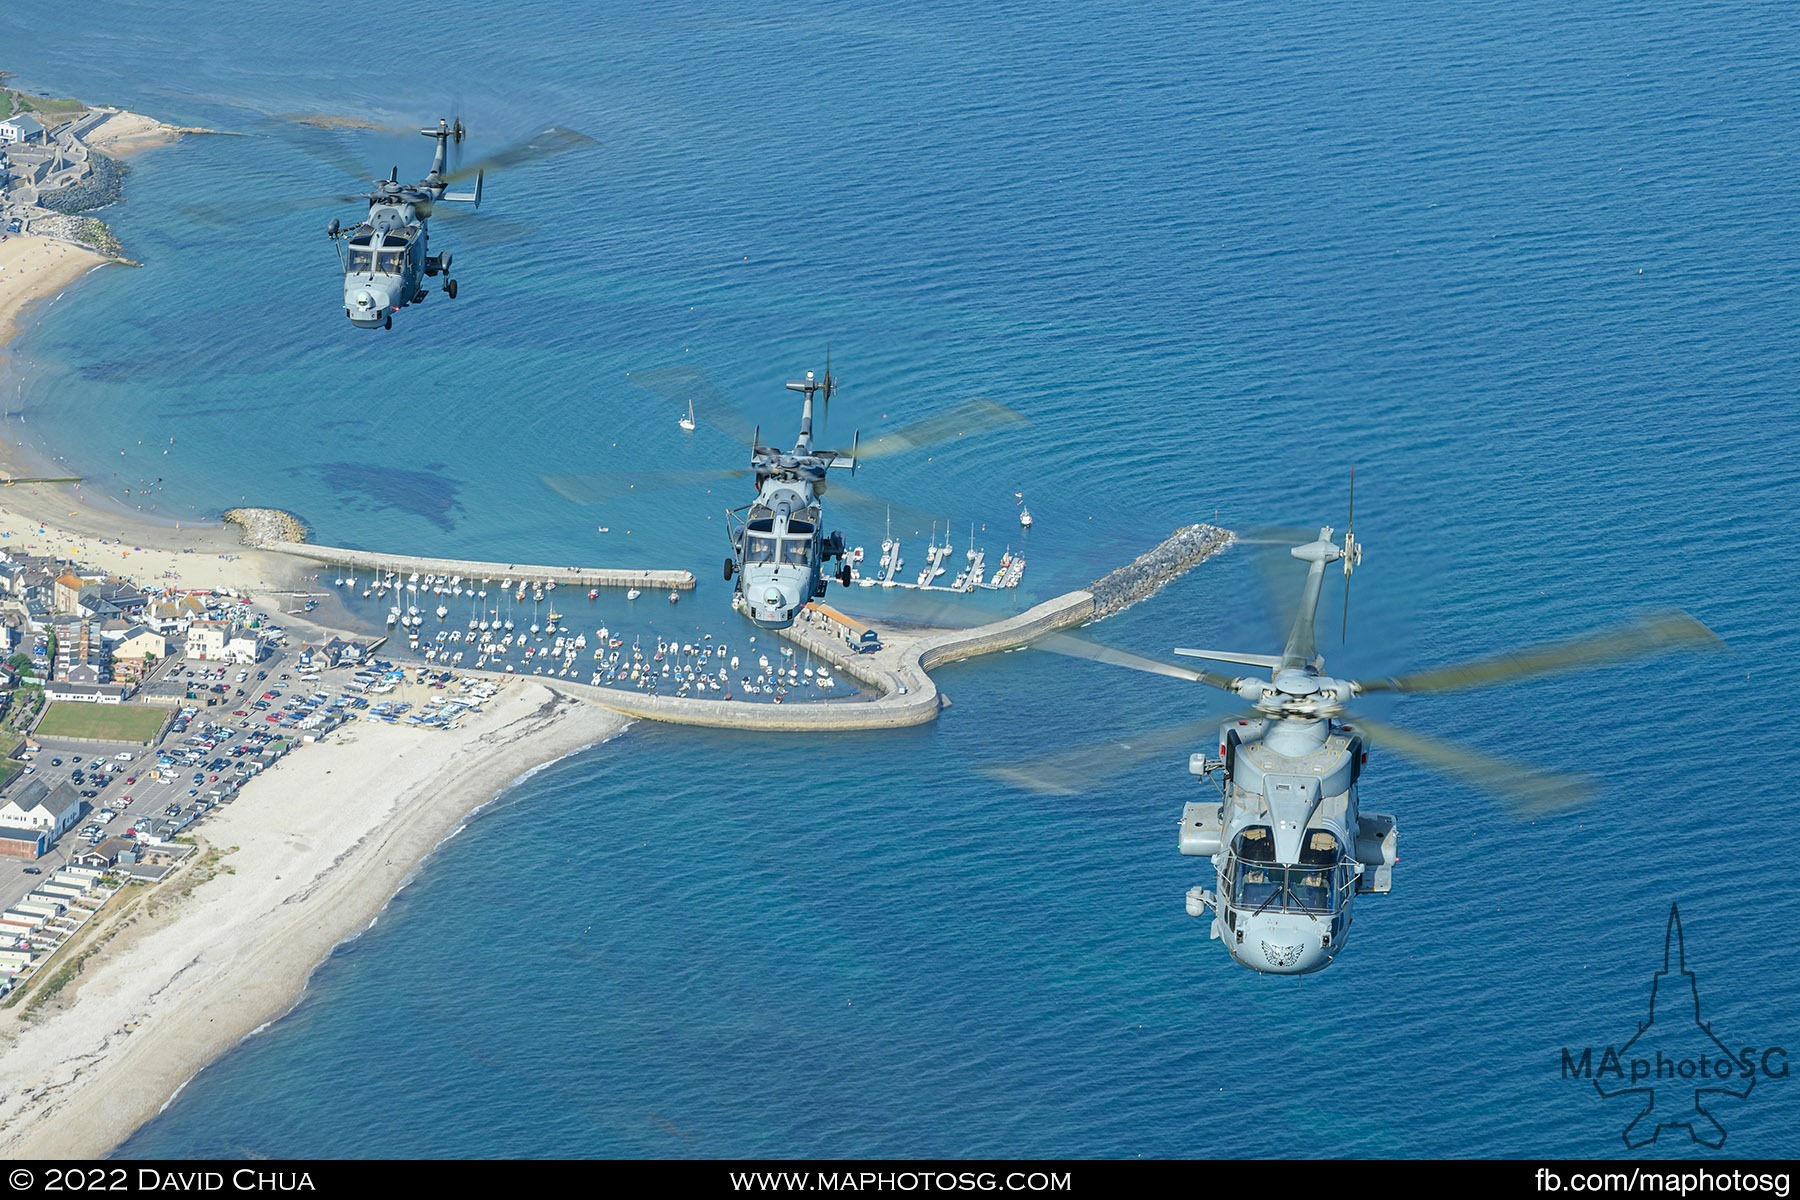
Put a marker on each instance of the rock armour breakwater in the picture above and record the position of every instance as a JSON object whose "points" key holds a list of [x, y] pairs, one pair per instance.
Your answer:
{"points": [[264, 527], [1149, 573]]}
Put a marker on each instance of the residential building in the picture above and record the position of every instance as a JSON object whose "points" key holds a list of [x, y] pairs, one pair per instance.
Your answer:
{"points": [[23, 129], [36, 805], [208, 639]]}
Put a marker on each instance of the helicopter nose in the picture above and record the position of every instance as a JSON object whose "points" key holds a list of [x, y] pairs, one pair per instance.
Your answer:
{"points": [[772, 606], [1278, 945]]}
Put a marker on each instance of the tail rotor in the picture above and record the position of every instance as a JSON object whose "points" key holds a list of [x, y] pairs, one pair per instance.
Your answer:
{"points": [[1352, 555]]}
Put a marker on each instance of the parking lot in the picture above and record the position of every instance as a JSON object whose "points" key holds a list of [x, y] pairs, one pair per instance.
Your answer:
{"points": [[205, 753]]}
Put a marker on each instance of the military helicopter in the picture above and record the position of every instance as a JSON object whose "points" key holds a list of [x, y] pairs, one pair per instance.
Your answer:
{"points": [[1288, 838], [778, 545], [385, 259]]}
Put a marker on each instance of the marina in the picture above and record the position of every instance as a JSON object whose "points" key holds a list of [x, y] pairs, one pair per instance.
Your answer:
{"points": [[971, 576], [530, 628]]}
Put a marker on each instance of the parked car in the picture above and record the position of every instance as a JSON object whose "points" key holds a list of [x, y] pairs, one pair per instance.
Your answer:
{"points": [[33, 871]]}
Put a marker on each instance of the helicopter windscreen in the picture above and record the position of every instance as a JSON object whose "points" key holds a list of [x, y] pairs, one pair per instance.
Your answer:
{"points": [[794, 549], [360, 260], [1262, 884], [759, 549], [391, 262]]}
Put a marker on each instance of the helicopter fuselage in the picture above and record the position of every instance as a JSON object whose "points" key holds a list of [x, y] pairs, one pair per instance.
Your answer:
{"points": [[1288, 841], [384, 260], [778, 543], [778, 546]]}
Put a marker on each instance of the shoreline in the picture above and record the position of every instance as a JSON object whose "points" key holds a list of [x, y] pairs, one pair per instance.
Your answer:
{"points": [[173, 975], [288, 872]]}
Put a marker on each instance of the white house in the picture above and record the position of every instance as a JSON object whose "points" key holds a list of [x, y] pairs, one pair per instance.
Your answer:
{"points": [[172, 616], [208, 639], [244, 648], [21, 128], [37, 805]]}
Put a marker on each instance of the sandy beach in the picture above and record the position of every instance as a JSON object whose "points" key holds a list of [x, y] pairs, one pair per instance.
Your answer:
{"points": [[32, 269], [122, 134], [306, 856]]}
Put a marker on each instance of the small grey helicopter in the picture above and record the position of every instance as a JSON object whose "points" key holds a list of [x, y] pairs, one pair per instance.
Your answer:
{"points": [[386, 259], [1288, 838], [778, 545]]}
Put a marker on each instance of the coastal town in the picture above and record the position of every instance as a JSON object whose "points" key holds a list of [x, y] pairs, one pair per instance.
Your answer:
{"points": [[129, 713]]}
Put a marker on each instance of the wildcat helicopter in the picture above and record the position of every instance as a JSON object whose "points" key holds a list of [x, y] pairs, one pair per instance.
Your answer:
{"points": [[779, 547], [1289, 841], [386, 259], [782, 557]]}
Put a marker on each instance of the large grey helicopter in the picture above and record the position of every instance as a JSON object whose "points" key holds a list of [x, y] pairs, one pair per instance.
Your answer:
{"points": [[1289, 841], [779, 549], [386, 259]]}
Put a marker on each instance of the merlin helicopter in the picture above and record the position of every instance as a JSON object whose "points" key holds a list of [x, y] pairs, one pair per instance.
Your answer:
{"points": [[779, 549], [386, 259], [1288, 838]]}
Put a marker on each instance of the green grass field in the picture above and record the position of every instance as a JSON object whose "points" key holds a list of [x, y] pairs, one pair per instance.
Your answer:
{"points": [[107, 722]]}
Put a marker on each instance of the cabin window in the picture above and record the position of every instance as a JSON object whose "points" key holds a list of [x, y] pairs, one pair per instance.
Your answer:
{"points": [[759, 549], [391, 262], [359, 261], [794, 549], [798, 526]]}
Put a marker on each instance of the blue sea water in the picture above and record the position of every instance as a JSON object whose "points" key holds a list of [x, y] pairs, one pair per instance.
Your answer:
{"points": [[1528, 268]]}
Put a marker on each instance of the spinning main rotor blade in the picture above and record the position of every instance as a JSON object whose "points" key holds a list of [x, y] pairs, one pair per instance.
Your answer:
{"points": [[554, 140], [1062, 643], [682, 386], [1069, 772], [971, 417], [598, 489], [1655, 634], [1530, 791]]}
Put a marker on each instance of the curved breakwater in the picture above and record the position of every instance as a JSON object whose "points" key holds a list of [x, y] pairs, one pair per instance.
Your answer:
{"points": [[900, 671]]}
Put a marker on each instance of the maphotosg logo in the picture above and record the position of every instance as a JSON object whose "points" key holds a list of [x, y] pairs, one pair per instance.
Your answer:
{"points": [[1675, 1064]]}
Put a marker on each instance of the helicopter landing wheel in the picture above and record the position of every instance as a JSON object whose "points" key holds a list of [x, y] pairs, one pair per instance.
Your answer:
{"points": [[729, 567], [450, 288], [389, 323]]}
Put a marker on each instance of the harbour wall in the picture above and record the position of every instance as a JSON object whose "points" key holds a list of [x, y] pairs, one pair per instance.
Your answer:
{"points": [[613, 577], [899, 672]]}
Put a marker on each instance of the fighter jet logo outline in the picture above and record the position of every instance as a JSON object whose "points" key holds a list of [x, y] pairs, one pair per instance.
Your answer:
{"points": [[1674, 1020]]}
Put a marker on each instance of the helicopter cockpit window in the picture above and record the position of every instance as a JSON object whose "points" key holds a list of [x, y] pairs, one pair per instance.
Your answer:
{"points": [[1257, 883], [1309, 889], [793, 549], [359, 260], [391, 262], [1262, 885], [1256, 844], [759, 549], [1321, 849], [795, 525]]}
